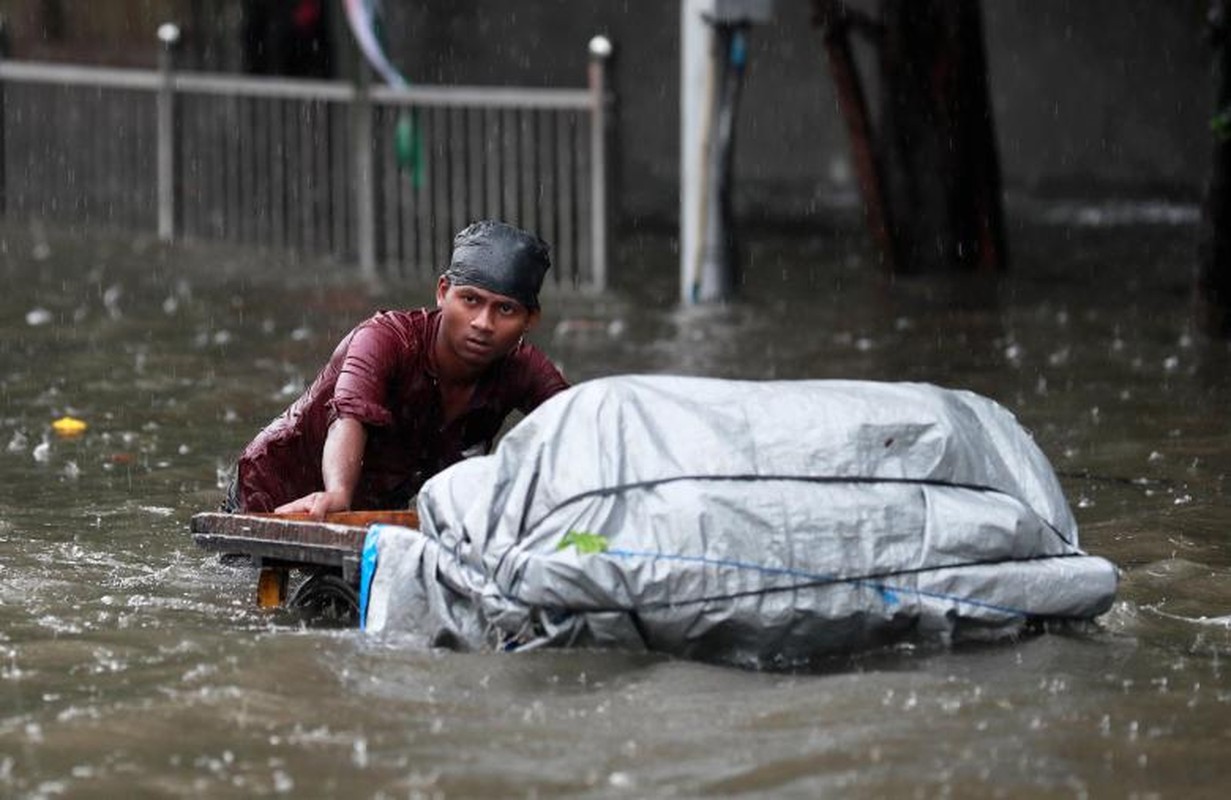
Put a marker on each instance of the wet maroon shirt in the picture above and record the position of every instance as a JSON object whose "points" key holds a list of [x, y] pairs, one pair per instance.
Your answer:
{"points": [[380, 374]]}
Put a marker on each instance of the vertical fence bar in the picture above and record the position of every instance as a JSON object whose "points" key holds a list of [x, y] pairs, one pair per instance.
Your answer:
{"points": [[547, 195], [600, 52], [218, 172], [475, 202], [528, 218], [307, 130], [508, 155], [390, 181], [457, 170], [168, 35], [440, 202], [4, 178], [491, 163], [361, 142], [258, 208], [566, 240], [278, 180], [245, 218]]}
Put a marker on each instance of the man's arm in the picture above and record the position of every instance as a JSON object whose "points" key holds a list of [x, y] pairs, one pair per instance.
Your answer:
{"points": [[341, 463]]}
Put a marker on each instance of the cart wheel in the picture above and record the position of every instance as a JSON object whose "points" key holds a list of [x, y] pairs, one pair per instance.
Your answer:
{"points": [[325, 600]]}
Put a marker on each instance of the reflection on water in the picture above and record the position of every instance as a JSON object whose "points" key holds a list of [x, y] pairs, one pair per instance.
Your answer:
{"points": [[132, 663]]}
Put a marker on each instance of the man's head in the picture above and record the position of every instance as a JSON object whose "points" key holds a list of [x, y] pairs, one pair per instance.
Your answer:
{"points": [[500, 258]]}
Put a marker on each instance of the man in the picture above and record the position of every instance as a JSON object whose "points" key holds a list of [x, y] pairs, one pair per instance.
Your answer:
{"points": [[407, 393]]}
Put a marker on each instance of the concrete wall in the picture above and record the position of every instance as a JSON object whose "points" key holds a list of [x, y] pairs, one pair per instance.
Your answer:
{"points": [[1092, 97]]}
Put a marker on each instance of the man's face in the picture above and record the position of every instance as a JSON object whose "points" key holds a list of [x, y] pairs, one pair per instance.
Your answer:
{"points": [[479, 327]]}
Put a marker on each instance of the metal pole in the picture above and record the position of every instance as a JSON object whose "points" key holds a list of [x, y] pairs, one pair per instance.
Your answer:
{"points": [[168, 35], [600, 53], [361, 141], [696, 75], [711, 69]]}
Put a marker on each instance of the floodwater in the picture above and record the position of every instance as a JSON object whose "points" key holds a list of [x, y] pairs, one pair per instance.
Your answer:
{"points": [[133, 664]]}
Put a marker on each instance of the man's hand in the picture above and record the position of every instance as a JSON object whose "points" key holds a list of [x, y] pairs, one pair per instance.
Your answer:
{"points": [[340, 466], [316, 505]]}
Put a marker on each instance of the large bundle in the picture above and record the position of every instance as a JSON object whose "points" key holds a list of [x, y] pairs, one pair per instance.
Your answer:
{"points": [[747, 522]]}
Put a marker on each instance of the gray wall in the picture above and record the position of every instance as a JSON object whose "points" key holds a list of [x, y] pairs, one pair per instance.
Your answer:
{"points": [[1093, 98]]}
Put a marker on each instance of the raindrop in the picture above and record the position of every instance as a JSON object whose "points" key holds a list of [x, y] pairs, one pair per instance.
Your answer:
{"points": [[42, 453], [283, 782], [18, 443], [620, 780], [38, 316], [111, 300], [359, 753]]}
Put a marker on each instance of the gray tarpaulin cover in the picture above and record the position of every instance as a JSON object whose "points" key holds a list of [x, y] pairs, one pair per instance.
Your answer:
{"points": [[760, 523]]}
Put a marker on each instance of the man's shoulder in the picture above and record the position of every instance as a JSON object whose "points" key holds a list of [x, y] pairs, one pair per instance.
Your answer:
{"points": [[410, 318], [531, 366], [408, 324], [527, 355], [389, 337]]}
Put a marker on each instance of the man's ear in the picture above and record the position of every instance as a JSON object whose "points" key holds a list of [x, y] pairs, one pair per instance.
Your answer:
{"points": [[442, 288], [532, 318]]}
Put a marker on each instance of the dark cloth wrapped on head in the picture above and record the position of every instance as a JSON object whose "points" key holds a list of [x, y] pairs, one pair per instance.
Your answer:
{"points": [[500, 258]]}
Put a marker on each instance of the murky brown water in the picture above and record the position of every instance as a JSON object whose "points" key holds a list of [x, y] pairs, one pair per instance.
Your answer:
{"points": [[132, 664]]}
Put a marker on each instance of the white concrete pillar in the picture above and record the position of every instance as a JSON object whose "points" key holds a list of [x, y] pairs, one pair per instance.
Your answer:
{"points": [[703, 269]]}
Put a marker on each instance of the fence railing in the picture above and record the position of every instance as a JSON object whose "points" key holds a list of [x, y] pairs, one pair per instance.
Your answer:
{"points": [[308, 166]]}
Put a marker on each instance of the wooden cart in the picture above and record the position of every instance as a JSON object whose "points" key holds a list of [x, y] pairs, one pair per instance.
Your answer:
{"points": [[327, 552]]}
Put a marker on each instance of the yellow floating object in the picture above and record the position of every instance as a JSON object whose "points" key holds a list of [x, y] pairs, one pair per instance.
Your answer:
{"points": [[69, 426]]}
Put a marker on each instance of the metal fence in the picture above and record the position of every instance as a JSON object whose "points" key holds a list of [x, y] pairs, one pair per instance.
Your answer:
{"points": [[307, 166]]}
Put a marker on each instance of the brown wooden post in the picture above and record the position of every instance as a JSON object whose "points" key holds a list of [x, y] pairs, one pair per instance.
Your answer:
{"points": [[1213, 290], [836, 21], [938, 142], [271, 587]]}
